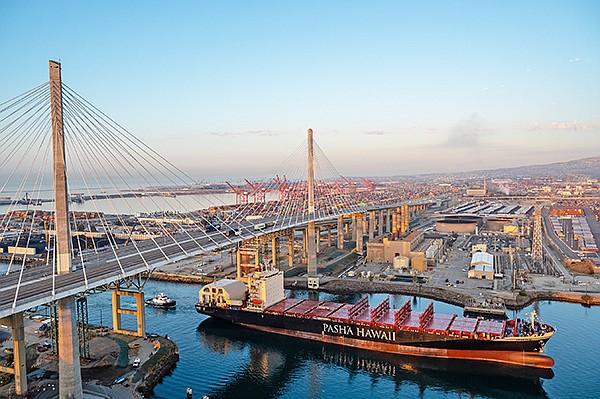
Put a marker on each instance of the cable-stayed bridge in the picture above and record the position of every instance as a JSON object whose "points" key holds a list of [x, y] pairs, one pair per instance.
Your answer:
{"points": [[94, 206]]}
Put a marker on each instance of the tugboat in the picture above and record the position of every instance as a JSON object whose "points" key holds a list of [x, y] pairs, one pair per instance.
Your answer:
{"points": [[162, 301]]}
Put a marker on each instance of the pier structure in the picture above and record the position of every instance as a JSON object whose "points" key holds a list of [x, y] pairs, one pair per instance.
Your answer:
{"points": [[138, 312], [19, 368]]}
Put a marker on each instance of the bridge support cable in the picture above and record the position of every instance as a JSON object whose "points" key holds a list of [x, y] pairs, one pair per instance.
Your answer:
{"points": [[159, 165], [38, 184], [104, 222], [116, 160], [130, 157], [23, 183], [87, 164], [93, 141], [18, 145], [15, 154]]}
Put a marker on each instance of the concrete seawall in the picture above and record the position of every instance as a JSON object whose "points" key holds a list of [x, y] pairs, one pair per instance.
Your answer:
{"points": [[450, 296]]}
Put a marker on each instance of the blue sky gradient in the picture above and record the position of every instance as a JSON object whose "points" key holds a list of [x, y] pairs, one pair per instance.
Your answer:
{"points": [[228, 88]]}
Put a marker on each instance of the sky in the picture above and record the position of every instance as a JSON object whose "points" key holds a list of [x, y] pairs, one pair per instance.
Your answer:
{"points": [[227, 89]]}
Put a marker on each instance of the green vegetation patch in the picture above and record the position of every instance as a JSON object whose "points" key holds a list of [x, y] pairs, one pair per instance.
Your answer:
{"points": [[123, 360]]}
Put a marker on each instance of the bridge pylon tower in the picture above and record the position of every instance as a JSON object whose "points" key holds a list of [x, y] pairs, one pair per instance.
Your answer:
{"points": [[69, 380], [313, 278]]}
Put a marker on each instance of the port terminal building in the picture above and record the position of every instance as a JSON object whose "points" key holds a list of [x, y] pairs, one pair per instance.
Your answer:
{"points": [[412, 248]]}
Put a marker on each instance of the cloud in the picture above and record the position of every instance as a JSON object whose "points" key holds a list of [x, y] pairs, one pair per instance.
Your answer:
{"points": [[574, 125], [467, 133], [265, 133], [576, 59], [401, 130]]}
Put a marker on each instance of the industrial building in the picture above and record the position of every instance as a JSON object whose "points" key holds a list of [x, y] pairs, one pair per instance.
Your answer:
{"points": [[482, 266], [459, 224], [385, 250], [482, 272], [479, 247], [409, 252]]}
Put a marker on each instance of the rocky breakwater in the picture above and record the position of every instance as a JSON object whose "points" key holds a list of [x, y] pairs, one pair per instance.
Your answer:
{"points": [[156, 367]]}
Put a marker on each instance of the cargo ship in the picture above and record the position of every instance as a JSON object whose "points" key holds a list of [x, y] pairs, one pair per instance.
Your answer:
{"points": [[258, 302]]}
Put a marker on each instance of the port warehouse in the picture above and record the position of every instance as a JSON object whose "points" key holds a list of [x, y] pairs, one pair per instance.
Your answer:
{"points": [[470, 217], [491, 208]]}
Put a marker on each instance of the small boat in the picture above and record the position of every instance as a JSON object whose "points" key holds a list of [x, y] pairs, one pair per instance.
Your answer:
{"points": [[490, 309], [124, 377], [161, 301]]}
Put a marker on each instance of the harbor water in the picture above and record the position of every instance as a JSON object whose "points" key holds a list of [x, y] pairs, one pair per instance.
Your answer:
{"points": [[223, 361]]}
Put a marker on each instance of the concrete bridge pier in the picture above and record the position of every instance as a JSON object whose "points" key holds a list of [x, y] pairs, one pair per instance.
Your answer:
{"points": [[359, 234], [274, 252], [69, 380], [371, 225], [404, 219], [379, 223], [328, 236], [318, 238], [19, 368], [68, 349], [394, 226], [291, 249], [388, 221], [365, 224], [138, 312], [353, 227], [305, 243], [313, 279], [340, 232]]}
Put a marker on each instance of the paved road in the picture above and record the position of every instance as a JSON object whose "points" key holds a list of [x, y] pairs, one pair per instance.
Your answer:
{"points": [[37, 285], [566, 250]]}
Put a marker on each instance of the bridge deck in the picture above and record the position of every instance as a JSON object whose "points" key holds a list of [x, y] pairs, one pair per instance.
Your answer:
{"points": [[37, 286]]}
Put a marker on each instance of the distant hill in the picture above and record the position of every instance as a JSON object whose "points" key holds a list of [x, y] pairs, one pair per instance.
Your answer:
{"points": [[585, 167]]}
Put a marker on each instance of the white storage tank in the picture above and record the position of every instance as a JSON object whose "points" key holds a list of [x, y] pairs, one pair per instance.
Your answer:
{"points": [[432, 251]]}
